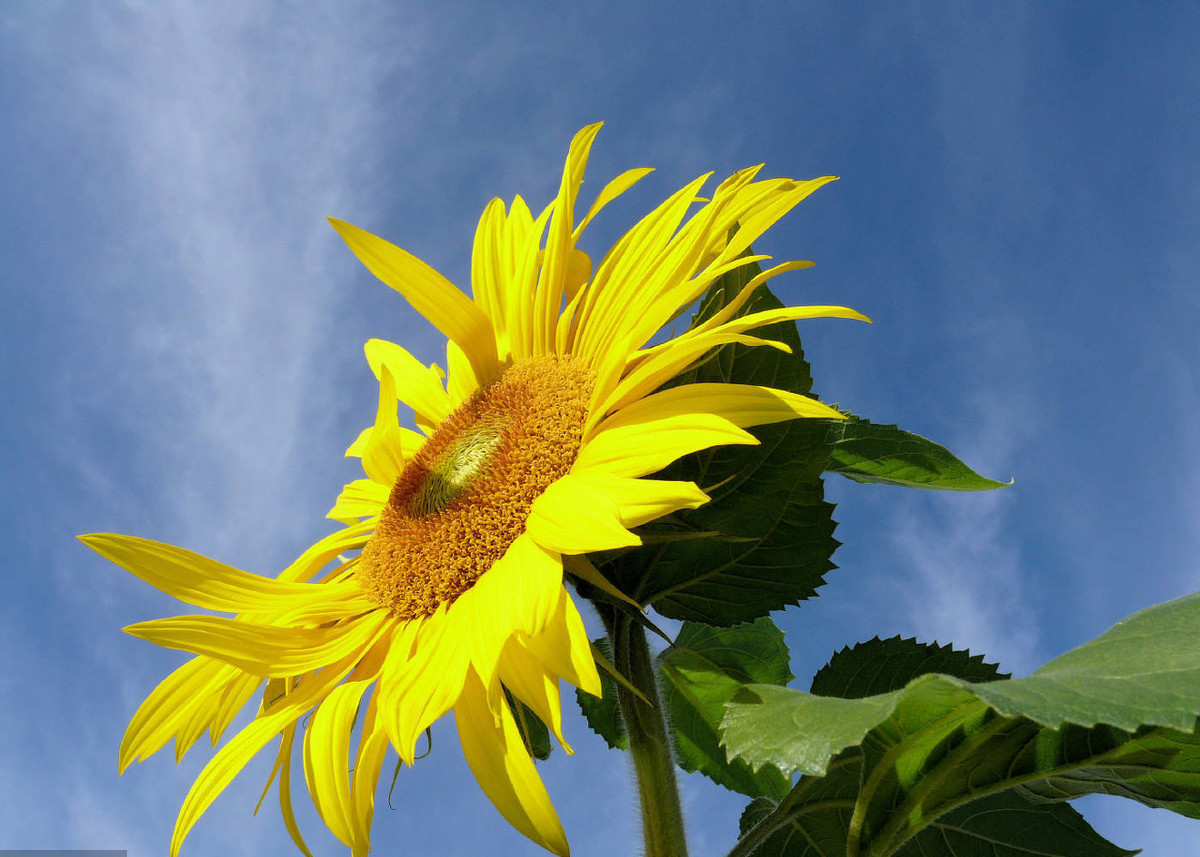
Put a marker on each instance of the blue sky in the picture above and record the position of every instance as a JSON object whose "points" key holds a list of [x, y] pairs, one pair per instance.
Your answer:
{"points": [[180, 334]]}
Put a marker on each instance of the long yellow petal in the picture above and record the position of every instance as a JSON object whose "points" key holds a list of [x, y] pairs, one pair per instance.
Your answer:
{"points": [[362, 498], [752, 225], [417, 385], [168, 708], [736, 302], [383, 453], [639, 449], [629, 268], [431, 294], [263, 650], [611, 191], [518, 594], [650, 433], [530, 682], [520, 313], [327, 758], [640, 501], [372, 748], [318, 555], [231, 758], [234, 698], [193, 578], [662, 365], [560, 243], [285, 789], [565, 649], [488, 271], [504, 769], [570, 517], [419, 687]]}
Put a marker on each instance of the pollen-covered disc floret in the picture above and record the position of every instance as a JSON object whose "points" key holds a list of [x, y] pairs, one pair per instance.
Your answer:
{"points": [[465, 496]]}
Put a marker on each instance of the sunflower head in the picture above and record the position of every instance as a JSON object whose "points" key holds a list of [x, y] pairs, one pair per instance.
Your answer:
{"points": [[444, 588]]}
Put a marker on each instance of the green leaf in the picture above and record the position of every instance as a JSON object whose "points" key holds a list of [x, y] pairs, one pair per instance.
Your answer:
{"points": [[701, 671], [603, 713], [774, 530], [866, 452], [811, 821], [1115, 716], [878, 666], [1006, 824], [533, 731]]}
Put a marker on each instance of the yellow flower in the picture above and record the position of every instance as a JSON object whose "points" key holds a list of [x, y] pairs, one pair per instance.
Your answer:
{"points": [[532, 453]]}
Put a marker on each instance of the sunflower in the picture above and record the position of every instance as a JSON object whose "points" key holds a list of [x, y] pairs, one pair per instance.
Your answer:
{"points": [[444, 590]]}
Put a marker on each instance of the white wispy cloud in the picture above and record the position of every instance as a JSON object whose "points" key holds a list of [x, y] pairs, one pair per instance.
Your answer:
{"points": [[213, 139], [236, 130]]}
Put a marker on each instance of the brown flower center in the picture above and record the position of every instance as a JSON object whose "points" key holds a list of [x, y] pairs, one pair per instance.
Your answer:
{"points": [[465, 496]]}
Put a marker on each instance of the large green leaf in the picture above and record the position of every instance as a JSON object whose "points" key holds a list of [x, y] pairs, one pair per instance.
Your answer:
{"points": [[866, 452], [1115, 716], [811, 821], [701, 672], [765, 540], [878, 666], [1006, 824]]}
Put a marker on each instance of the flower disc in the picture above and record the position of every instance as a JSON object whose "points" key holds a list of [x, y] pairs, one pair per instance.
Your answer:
{"points": [[465, 496]]}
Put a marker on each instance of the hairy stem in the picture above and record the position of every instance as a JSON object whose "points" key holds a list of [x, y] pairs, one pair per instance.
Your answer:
{"points": [[649, 741]]}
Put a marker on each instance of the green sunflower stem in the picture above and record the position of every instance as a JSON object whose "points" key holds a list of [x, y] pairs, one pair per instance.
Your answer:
{"points": [[649, 739]]}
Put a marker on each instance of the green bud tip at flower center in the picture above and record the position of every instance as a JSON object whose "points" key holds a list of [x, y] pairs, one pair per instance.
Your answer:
{"points": [[455, 471]]}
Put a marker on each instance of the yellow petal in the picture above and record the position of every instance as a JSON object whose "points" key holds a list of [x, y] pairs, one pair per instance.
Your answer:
{"points": [[327, 758], [611, 191], [383, 453], [355, 449], [430, 294], [193, 578], [362, 498], [168, 708], [318, 556], [263, 650], [503, 768], [462, 381], [234, 698], [661, 365], [520, 311], [580, 566], [752, 224], [519, 594], [640, 449], [530, 682], [652, 432], [628, 273], [419, 687], [489, 273], [736, 302], [571, 517], [560, 243], [231, 758], [640, 501], [372, 748], [417, 385], [285, 789], [565, 649]]}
